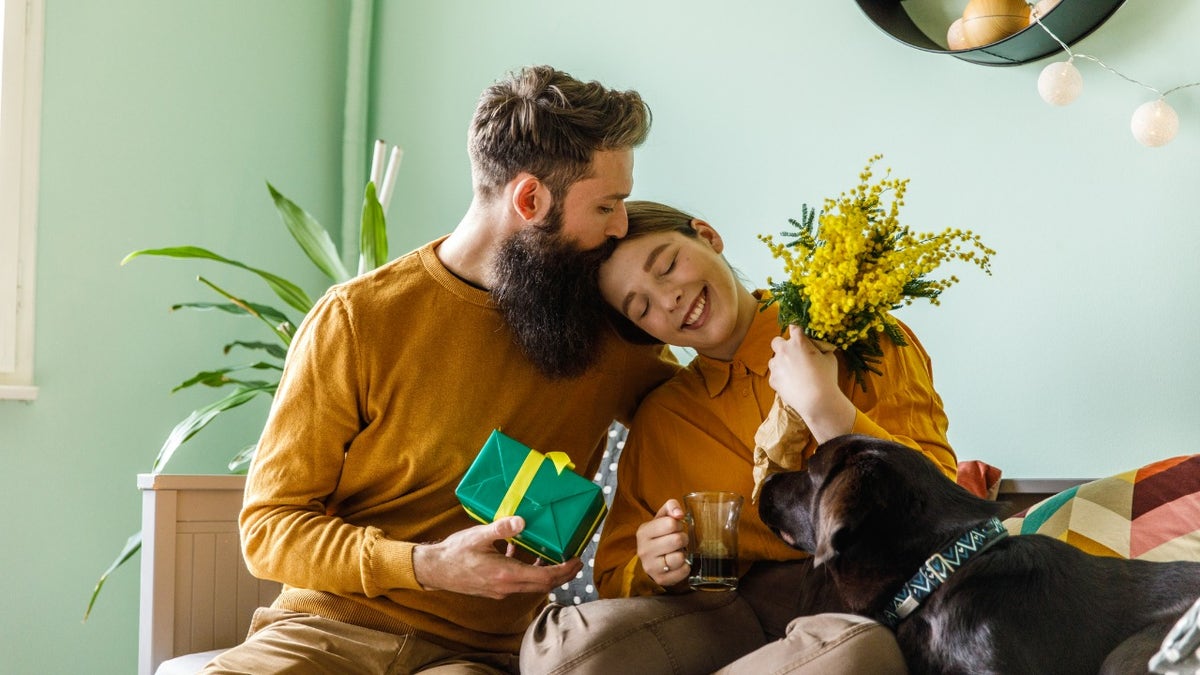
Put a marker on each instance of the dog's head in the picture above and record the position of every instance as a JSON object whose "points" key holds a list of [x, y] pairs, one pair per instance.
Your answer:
{"points": [[870, 502]]}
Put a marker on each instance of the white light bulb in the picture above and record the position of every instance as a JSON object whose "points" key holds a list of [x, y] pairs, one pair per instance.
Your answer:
{"points": [[1060, 83], [1154, 123]]}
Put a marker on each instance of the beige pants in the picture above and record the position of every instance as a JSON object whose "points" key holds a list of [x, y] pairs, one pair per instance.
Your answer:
{"points": [[781, 620], [282, 641]]}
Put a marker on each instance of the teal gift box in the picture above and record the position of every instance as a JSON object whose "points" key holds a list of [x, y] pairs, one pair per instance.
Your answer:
{"points": [[561, 508]]}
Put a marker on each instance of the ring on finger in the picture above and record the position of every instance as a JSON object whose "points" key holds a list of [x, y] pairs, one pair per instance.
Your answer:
{"points": [[666, 567]]}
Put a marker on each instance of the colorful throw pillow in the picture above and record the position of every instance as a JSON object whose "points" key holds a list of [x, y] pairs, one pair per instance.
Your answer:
{"points": [[979, 478], [1151, 513]]}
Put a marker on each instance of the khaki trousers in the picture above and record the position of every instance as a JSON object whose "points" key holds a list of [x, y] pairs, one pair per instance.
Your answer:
{"points": [[782, 619], [282, 641]]}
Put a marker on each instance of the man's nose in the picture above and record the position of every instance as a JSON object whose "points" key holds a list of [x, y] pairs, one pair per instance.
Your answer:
{"points": [[618, 223]]}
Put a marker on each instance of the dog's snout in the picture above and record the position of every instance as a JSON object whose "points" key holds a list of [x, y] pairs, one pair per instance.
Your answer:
{"points": [[766, 502]]}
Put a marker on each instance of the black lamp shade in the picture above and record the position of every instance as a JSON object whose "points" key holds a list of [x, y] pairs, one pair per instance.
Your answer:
{"points": [[1070, 20]]}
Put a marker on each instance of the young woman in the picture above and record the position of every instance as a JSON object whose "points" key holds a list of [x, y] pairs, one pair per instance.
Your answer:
{"points": [[668, 279]]}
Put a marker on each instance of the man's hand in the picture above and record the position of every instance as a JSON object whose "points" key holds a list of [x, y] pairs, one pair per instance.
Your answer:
{"points": [[662, 545], [469, 562]]}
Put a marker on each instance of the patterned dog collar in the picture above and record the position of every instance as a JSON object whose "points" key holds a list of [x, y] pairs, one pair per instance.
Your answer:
{"points": [[939, 566]]}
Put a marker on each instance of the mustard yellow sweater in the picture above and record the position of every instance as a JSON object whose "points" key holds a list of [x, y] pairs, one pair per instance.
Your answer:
{"points": [[392, 384], [696, 432]]}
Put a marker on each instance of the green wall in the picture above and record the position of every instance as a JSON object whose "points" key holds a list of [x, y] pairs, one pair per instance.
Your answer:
{"points": [[163, 120], [161, 123], [1072, 360]]}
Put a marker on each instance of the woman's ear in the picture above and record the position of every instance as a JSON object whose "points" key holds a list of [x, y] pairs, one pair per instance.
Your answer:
{"points": [[530, 197], [707, 233]]}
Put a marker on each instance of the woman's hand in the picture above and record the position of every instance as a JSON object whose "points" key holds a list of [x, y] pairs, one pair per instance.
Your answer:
{"points": [[662, 545], [806, 378]]}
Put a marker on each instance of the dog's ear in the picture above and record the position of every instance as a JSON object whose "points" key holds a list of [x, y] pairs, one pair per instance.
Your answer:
{"points": [[832, 542], [837, 520]]}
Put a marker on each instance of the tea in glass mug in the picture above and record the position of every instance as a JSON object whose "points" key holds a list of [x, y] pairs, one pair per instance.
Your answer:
{"points": [[712, 521]]}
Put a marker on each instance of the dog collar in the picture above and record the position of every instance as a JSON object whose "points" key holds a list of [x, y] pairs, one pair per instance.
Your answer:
{"points": [[939, 566]]}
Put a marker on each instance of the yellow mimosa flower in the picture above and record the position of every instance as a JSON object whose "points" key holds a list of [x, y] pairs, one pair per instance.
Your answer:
{"points": [[854, 262]]}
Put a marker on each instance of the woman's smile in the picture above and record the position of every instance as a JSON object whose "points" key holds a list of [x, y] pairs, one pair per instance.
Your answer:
{"points": [[673, 284], [696, 314]]}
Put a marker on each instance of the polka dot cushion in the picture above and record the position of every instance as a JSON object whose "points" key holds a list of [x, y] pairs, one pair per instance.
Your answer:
{"points": [[581, 589]]}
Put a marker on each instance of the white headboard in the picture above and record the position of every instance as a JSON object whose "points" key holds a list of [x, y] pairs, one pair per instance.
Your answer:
{"points": [[196, 593]]}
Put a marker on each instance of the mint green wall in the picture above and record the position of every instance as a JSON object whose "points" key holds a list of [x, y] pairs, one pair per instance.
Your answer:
{"points": [[163, 120], [161, 123], [1074, 359]]}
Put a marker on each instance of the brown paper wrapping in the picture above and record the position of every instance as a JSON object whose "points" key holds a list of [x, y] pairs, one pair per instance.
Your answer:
{"points": [[779, 444], [782, 437]]}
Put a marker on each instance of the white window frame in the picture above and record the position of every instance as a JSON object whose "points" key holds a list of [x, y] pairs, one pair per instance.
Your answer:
{"points": [[20, 127]]}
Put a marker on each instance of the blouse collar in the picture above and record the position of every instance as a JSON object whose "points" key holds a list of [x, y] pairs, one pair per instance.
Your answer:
{"points": [[752, 355]]}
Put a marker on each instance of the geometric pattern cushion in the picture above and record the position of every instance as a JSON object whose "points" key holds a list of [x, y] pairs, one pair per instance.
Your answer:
{"points": [[1151, 513]]}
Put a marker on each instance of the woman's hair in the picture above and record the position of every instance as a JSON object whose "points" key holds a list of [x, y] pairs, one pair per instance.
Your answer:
{"points": [[652, 217], [547, 123], [647, 218]]}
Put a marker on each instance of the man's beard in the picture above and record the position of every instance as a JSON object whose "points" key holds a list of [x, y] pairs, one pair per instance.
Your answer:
{"points": [[545, 288]]}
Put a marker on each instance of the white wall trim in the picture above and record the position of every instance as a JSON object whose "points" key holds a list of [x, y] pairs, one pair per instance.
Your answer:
{"points": [[20, 133]]}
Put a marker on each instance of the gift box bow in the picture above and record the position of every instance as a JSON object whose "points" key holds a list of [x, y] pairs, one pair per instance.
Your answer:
{"points": [[561, 508]]}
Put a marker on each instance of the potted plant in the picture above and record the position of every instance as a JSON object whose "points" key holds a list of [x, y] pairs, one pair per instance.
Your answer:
{"points": [[241, 384]]}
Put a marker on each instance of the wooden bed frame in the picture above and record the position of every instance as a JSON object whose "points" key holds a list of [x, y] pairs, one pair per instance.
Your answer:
{"points": [[1023, 493], [198, 596]]}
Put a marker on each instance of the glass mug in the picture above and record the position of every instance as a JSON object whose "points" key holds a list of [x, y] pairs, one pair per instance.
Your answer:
{"points": [[712, 523]]}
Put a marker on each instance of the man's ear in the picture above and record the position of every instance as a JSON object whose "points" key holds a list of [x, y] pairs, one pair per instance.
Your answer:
{"points": [[530, 197], [709, 234]]}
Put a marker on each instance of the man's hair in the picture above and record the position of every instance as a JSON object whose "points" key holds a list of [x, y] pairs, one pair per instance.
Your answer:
{"points": [[549, 124]]}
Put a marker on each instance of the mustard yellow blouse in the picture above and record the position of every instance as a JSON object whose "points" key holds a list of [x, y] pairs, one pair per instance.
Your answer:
{"points": [[696, 432]]}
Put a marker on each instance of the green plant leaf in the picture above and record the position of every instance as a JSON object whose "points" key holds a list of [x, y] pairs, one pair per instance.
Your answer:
{"points": [[314, 240], [241, 461], [209, 378], [220, 377], [268, 312], [286, 290], [132, 545], [200, 418], [269, 347], [312, 237], [282, 330], [373, 245]]}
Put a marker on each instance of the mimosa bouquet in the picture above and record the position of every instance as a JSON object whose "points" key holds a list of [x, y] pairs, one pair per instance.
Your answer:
{"points": [[848, 267]]}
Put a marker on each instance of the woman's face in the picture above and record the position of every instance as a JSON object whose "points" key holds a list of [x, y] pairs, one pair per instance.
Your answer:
{"points": [[680, 290]]}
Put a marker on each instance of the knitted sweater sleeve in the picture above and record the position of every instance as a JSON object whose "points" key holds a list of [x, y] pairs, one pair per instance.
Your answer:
{"points": [[287, 534]]}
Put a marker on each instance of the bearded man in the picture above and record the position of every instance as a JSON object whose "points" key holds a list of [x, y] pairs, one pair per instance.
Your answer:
{"points": [[395, 380]]}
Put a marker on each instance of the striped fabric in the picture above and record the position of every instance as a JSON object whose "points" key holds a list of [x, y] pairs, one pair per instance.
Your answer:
{"points": [[1151, 513]]}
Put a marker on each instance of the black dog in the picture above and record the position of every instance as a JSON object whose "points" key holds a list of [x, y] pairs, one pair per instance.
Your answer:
{"points": [[889, 525]]}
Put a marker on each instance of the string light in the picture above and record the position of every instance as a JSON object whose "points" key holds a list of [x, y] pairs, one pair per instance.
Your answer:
{"points": [[1153, 124], [1060, 83]]}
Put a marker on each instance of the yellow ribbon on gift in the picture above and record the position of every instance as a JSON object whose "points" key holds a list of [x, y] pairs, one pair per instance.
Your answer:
{"points": [[524, 478]]}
